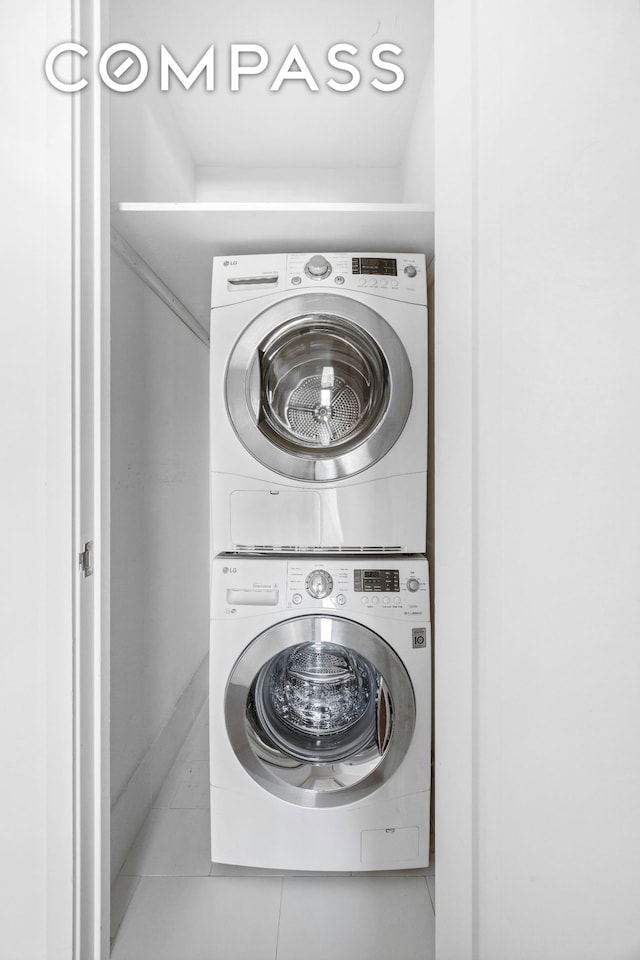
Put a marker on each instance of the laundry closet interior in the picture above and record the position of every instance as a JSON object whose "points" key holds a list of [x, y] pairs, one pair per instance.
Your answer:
{"points": [[198, 174]]}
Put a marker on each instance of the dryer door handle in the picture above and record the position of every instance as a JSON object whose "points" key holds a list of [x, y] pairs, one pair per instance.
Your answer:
{"points": [[384, 717]]}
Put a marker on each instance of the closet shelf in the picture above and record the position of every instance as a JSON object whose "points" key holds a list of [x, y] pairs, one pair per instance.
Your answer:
{"points": [[179, 240]]}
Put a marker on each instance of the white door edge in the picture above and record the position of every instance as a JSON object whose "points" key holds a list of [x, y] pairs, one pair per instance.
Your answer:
{"points": [[455, 432], [91, 434]]}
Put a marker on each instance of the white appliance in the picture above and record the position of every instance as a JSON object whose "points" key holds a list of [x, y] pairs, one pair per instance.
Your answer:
{"points": [[320, 712], [319, 403]]}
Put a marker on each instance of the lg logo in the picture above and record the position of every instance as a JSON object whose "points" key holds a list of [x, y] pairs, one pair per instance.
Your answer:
{"points": [[229, 263], [229, 569]]}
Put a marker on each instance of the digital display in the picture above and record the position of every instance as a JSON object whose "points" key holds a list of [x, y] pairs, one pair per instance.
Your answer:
{"points": [[377, 266], [376, 581]]}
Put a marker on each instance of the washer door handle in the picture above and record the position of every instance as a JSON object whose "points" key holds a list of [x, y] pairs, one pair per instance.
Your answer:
{"points": [[384, 718]]}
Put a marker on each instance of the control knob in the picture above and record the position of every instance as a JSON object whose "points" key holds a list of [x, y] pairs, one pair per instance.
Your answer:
{"points": [[317, 267], [410, 270], [319, 584], [413, 585]]}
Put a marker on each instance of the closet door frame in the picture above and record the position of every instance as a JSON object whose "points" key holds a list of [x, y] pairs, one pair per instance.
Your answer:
{"points": [[91, 491], [455, 482], [455, 534]]}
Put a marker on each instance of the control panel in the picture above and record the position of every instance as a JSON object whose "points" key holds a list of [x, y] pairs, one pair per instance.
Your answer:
{"points": [[394, 276], [401, 276], [393, 587], [397, 587]]}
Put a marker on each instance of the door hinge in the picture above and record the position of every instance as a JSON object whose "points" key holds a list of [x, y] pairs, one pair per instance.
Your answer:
{"points": [[85, 559]]}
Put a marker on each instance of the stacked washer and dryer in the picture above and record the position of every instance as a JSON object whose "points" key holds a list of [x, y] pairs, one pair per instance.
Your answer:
{"points": [[320, 665]]}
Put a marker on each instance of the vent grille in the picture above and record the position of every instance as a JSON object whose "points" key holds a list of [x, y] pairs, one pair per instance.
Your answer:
{"points": [[292, 548]]}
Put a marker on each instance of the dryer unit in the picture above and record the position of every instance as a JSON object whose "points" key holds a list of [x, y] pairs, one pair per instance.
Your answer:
{"points": [[320, 713], [319, 403]]}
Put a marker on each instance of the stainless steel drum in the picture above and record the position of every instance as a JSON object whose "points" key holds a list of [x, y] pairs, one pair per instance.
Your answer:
{"points": [[319, 710], [324, 385], [316, 702], [318, 387]]}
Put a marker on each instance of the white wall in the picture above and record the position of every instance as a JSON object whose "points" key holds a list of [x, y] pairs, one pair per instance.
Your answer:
{"points": [[160, 518], [22, 571], [142, 127], [35, 495], [417, 169], [558, 479], [149, 157], [299, 184]]}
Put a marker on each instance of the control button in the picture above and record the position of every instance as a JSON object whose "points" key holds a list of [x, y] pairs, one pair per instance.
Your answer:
{"points": [[339, 279], [297, 598], [375, 599], [319, 584], [386, 601], [364, 599], [373, 282], [341, 599], [396, 601], [383, 283], [318, 267], [410, 270], [413, 585], [362, 282], [296, 280], [394, 284]]}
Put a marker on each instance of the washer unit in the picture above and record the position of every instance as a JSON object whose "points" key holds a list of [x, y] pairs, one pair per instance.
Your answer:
{"points": [[320, 712], [319, 403]]}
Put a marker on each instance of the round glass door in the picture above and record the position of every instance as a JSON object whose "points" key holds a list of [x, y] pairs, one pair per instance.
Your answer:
{"points": [[318, 387], [316, 702], [319, 710]]}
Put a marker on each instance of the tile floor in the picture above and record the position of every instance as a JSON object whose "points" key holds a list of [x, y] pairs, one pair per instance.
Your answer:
{"points": [[171, 903]]}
